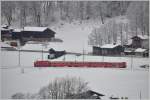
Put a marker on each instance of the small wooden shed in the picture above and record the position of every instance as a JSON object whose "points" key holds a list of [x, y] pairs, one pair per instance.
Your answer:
{"points": [[108, 49], [141, 52], [6, 33]]}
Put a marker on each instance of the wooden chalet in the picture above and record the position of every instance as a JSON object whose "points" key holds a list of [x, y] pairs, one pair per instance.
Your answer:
{"points": [[108, 49], [34, 34], [140, 41]]}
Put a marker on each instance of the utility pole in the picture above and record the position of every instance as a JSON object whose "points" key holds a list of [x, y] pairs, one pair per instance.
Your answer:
{"points": [[75, 58], [83, 55], [131, 62], [136, 26], [140, 95], [64, 59], [44, 45], [42, 52], [121, 34], [42, 49], [103, 58], [19, 62], [19, 57]]}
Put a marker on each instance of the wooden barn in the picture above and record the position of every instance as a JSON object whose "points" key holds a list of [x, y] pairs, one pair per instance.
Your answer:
{"points": [[108, 49], [140, 41], [34, 34]]}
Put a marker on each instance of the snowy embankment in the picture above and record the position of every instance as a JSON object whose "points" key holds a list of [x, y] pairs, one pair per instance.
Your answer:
{"points": [[27, 59]]}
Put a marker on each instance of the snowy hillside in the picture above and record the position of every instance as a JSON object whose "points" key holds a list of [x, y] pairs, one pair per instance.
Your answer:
{"points": [[74, 36]]}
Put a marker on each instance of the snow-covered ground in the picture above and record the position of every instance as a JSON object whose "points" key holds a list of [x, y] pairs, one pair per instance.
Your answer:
{"points": [[127, 82], [118, 82]]}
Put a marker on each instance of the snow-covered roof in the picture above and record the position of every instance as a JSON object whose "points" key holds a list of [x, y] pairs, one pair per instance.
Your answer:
{"points": [[4, 29], [140, 50], [142, 36], [109, 45], [127, 51], [17, 30], [40, 29], [4, 45], [5, 25]]}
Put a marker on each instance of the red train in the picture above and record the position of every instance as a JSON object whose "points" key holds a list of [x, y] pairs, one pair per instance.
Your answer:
{"points": [[79, 64]]}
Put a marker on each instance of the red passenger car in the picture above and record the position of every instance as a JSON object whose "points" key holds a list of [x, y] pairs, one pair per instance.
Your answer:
{"points": [[79, 64]]}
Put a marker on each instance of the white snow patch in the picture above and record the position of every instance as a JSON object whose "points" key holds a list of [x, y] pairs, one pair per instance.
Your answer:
{"points": [[143, 36], [17, 30], [39, 46], [75, 35], [109, 45], [140, 50], [2, 44]]}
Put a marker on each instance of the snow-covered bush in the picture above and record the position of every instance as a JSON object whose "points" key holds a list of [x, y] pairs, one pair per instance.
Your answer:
{"points": [[114, 30]]}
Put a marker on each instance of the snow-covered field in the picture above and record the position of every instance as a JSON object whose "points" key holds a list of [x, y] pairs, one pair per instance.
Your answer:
{"points": [[118, 82]]}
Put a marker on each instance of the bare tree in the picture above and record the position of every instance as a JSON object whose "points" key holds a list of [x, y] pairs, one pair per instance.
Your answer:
{"points": [[23, 12], [60, 88], [36, 9], [101, 8], [138, 13], [8, 8], [44, 12]]}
